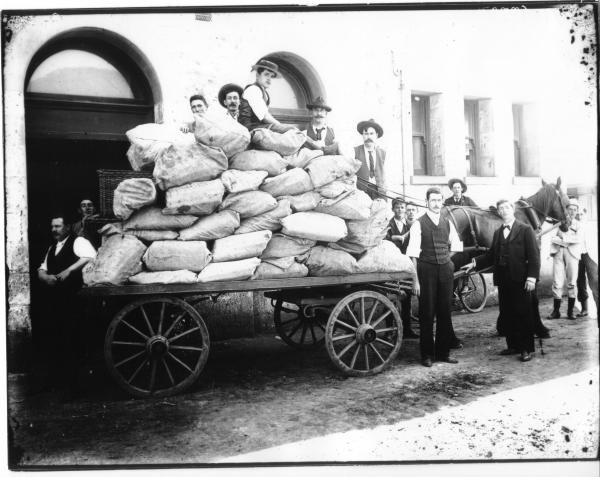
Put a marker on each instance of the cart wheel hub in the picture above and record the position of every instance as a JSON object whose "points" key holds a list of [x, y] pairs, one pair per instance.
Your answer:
{"points": [[365, 334], [158, 346]]}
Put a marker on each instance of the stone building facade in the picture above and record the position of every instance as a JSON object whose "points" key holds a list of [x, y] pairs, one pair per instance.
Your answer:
{"points": [[500, 98]]}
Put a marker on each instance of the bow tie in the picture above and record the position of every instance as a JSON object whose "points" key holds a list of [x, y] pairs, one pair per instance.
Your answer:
{"points": [[506, 227]]}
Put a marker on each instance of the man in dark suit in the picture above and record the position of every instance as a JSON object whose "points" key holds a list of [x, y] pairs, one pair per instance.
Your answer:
{"points": [[515, 257], [371, 175], [458, 188]]}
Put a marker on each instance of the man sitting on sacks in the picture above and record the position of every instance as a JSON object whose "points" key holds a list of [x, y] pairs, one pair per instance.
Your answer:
{"points": [[254, 107], [317, 129], [230, 97], [198, 105], [371, 175], [458, 188]]}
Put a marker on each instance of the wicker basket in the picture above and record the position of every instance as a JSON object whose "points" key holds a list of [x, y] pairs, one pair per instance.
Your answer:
{"points": [[108, 180]]}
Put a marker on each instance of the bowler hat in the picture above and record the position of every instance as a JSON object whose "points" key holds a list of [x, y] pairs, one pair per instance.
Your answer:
{"points": [[267, 65], [454, 180], [229, 88], [319, 103], [360, 127]]}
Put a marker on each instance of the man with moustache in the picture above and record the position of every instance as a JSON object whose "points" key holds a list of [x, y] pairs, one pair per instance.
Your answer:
{"points": [[318, 130], [230, 97], [433, 239], [371, 175], [515, 258], [60, 274]]}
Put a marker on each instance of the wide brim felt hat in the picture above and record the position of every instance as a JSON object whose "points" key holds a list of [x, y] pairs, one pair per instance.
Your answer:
{"points": [[319, 103], [453, 181], [228, 88], [267, 65], [370, 123]]}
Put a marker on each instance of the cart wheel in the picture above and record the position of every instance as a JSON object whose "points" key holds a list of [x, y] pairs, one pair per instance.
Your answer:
{"points": [[300, 327], [156, 346], [364, 333], [474, 295]]}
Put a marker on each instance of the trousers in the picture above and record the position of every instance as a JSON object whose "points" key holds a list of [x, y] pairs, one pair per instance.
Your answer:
{"points": [[435, 301], [565, 267], [516, 307]]}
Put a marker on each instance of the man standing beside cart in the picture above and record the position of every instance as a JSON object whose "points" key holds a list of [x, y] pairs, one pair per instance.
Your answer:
{"points": [[433, 239]]}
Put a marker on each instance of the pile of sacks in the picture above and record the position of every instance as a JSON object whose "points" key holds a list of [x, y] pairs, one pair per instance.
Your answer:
{"points": [[227, 205]]}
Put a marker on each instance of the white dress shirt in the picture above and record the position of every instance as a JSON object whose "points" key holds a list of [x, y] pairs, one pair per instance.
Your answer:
{"points": [[254, 95], [506, 231], [374, 153], [400, 223], [81, 247], [414, 245]]}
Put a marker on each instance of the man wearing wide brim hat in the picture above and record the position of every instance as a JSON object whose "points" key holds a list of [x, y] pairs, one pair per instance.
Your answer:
{"points": [[371, 175], [566, 249], [229, 97], [458, 188], [318, 129]]}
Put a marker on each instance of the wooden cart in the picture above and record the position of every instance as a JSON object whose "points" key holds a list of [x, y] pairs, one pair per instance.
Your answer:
{"points": [[158, 344]]}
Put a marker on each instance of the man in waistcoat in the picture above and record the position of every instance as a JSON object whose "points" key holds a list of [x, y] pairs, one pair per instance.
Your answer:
{"points": [[515, 257], [199, 106], [60, 274], [433, 239], [229, 97], [458, 188], [371, 175], [318, 130]]}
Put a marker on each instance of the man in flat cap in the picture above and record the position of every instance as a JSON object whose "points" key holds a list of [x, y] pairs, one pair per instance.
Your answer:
{"points": [[371, 175], [458, 188], [229, 97], [317, 129]]}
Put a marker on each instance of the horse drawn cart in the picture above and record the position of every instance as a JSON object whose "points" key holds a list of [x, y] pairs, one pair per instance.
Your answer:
{"points": [[158, 343]]}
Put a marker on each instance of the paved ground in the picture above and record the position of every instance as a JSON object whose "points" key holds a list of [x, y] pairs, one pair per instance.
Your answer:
{"points": [[260, 401]]}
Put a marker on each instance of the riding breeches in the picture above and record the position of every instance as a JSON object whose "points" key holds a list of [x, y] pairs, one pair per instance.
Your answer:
{"points": [[565, 266]]}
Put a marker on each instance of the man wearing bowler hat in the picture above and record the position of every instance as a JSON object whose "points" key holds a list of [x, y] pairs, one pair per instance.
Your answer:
{"points": [[371, 175], [229, 97], [458, 188], [317, 129]]}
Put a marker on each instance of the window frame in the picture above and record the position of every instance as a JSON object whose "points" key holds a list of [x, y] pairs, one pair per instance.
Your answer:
{"points": [[425, 135]]}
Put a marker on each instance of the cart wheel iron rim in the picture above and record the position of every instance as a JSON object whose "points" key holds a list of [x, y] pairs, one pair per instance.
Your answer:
{"points": [[300, 326], [364, 333], [156, 346], [474, 297]]}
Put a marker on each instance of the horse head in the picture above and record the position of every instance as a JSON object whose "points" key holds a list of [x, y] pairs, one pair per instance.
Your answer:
{"points": [[556, 201]]}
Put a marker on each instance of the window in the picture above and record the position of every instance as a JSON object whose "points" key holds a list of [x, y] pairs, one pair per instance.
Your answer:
{"points": [[420, 134], [296, 86], [471, 136]]}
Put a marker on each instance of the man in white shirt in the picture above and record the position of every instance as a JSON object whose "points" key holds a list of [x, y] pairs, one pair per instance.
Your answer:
{"points": [[515, 256], [199, 106], [566, 253], [433, 239], [318, 130], [60, 273], [229, 97]]}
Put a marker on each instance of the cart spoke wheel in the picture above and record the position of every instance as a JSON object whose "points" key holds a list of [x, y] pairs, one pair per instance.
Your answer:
{"points": [[364, 333], [162, 363], [297, 328], [474, 295]]}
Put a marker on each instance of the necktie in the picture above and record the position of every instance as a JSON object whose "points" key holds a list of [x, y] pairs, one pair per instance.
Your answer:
{"points": [[371, 165], [319, 133]]}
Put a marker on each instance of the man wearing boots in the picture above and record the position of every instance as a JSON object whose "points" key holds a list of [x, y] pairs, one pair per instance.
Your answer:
{"points": [[515, 257], [566, 253], [432, 239]]}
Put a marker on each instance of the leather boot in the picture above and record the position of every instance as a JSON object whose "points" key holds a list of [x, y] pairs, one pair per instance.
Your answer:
{"points": [[570, 306], [584, 310], [556, 312]]}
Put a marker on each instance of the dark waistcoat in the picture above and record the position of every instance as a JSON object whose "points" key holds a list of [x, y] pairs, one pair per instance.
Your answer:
{"points": [[329, 136], [65, 258], [435, 240], [247, 116], [503, 249]]}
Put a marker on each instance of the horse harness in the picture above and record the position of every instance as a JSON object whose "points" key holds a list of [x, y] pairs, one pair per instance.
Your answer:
{"points": [[465, 210]]}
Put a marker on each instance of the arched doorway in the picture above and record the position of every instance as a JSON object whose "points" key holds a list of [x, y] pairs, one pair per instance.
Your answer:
{"points": [[297, 85], [83, 90]]}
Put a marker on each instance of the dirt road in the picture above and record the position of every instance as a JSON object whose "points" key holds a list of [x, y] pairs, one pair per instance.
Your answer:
{"points": [[258, 400]]}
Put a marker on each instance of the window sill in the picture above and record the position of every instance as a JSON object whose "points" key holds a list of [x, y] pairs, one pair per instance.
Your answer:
{"points": [[483, 180], [523, 180], [428, 180]]}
